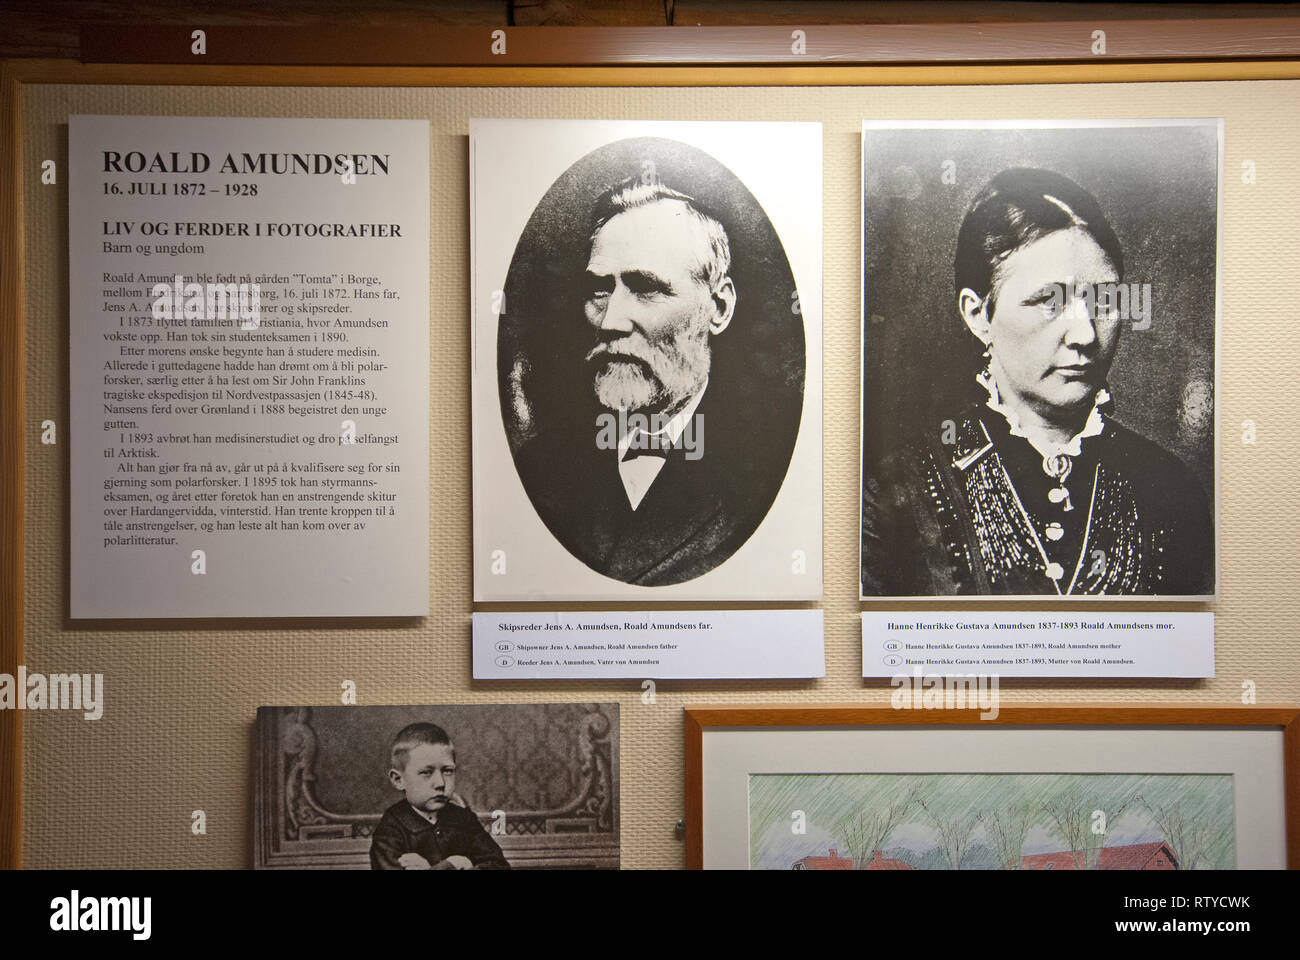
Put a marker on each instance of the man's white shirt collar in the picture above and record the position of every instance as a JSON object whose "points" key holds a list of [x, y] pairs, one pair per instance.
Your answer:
{"points": [[639, 472]]}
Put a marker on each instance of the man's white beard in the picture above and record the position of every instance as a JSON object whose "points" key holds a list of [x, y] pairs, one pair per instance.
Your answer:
{"points": [[627, 385]]}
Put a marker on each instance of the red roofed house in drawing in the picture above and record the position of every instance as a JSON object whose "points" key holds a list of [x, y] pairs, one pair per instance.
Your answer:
{"points": [[878, 862], [1135, 856], [833, 862], [836, 862]]}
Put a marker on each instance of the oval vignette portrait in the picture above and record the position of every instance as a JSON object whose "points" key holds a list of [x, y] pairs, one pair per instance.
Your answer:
{"points": [[650, 361]]}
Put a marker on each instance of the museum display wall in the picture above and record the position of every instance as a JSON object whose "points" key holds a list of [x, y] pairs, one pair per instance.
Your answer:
{"points": [[181, 696]]}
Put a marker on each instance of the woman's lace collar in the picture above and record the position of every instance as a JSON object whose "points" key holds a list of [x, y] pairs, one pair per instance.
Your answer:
{"points": [[1093, 427]]}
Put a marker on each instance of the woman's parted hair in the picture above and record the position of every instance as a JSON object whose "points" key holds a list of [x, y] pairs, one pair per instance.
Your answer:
{"points": [[1017, 207]]}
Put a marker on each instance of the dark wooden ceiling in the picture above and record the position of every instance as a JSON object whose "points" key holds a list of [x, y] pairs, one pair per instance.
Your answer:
{"points": [[52, 28]]}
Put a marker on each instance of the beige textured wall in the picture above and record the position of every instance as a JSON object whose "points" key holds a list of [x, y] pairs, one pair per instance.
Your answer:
{"points": [[180, 697]]}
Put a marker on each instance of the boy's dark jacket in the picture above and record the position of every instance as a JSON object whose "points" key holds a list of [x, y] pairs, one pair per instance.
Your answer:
{"points": [[457, 833]]}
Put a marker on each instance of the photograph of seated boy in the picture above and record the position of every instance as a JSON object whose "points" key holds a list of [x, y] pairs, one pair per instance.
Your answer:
{"points": [[431, 828]]}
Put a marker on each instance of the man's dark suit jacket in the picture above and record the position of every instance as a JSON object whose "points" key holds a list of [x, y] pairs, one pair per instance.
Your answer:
{"points": [[457, 833], [696, 514]]}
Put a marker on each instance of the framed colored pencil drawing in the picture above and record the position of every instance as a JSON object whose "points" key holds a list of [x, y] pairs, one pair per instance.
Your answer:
{"points": [[1107, 787]]}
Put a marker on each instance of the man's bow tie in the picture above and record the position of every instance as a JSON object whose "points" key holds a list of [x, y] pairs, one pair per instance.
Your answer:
{"points": [[654, 445]]}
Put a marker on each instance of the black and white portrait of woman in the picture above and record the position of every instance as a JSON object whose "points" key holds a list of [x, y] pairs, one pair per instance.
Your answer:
{"points": [[1040, 306]]}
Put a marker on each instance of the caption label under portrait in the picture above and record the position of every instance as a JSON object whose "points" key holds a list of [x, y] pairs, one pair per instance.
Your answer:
{"points": [[683, 644], [1037, 644]]}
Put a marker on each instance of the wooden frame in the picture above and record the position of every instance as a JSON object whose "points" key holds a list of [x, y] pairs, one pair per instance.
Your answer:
{"points": [[840, 44], [1286, 717], [947, 54]]}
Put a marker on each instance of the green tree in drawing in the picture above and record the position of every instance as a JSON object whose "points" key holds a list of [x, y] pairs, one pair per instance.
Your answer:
{"points": [[955, 823], [1005, 831], [1075, 818], [1185, 829], [866, 828]]}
